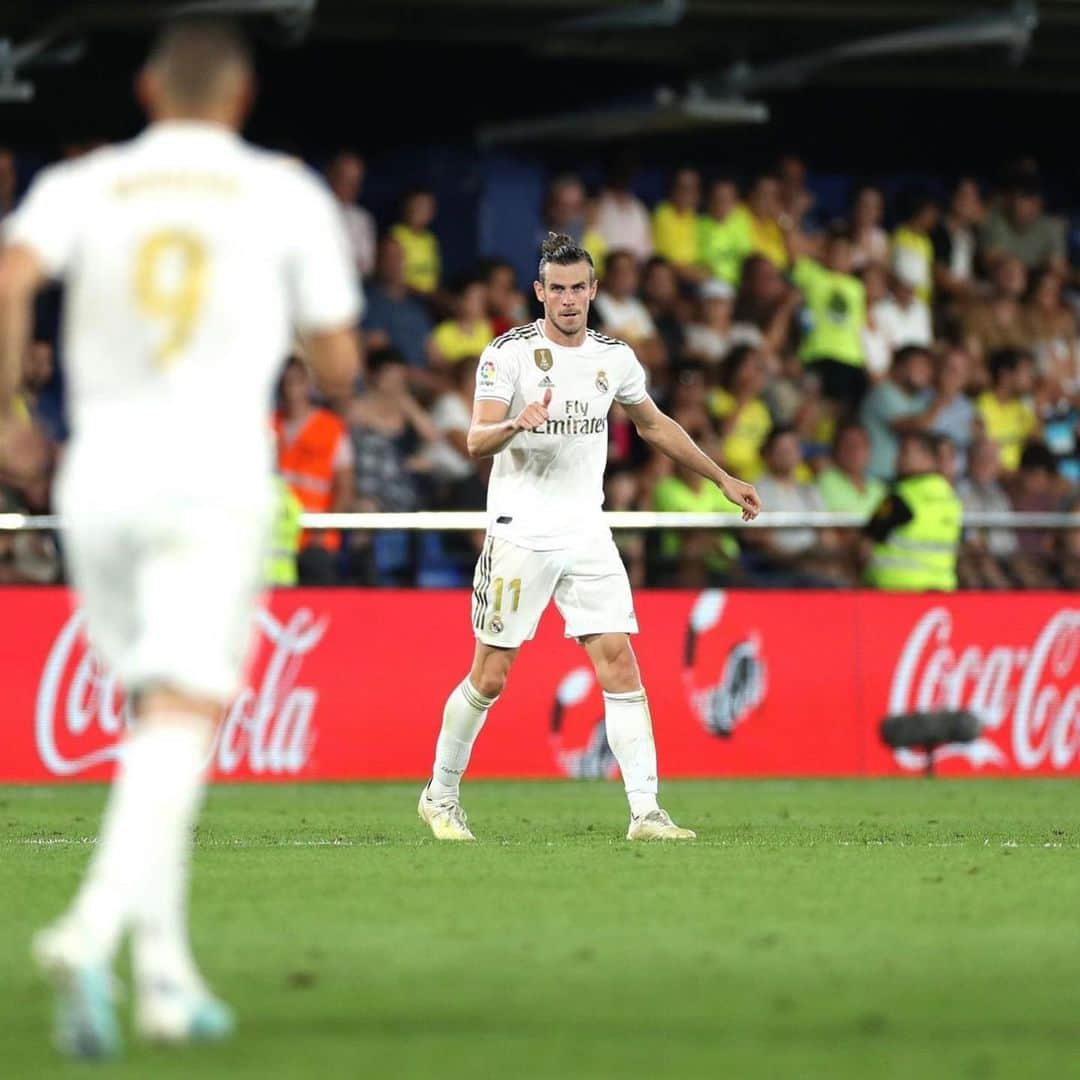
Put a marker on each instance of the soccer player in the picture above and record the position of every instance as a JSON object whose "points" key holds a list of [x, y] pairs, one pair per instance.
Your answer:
{"points": [[543, 392], [190, 260]]}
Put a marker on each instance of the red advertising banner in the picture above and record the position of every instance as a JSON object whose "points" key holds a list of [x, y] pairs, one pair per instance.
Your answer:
{"points": [[350, 684]]}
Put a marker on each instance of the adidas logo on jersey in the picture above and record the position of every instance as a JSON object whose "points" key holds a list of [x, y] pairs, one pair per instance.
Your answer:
{"points": [[545, 383]]}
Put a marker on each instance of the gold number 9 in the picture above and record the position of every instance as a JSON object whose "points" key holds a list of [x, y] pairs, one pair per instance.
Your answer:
{"points": [[170, 283]]}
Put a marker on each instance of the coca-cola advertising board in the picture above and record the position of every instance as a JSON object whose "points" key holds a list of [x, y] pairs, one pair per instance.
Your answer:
{"points": [[350, 684]]}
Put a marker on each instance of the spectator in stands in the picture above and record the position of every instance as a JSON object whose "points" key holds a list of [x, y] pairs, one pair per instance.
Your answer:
{"points": [[870, 242], [956, 241], [1067, 550], [9, 182], [660, 292], [315, 459], [991, 558], [904, 402], [1052, 333], [39, 367], [768, 222], [846, 486], [1036, 489], [793, 556], [694, 558], [915, 532], [954, 416], [713, 333], [912, 249], [688, 398], [621, 217], [468, 333], [345, 175], [998, 322], [877, 345], [1020, 228], [623, 315], [947, 458], [796, 199], [903, 317], [507, 306], [622, 492], [451, 464], [1004, 412], [394, 317], [742, 419], [724, 239], [564, 208], [765, 300], [423, 259], [835, 312], [390, 432], [675, 224]]}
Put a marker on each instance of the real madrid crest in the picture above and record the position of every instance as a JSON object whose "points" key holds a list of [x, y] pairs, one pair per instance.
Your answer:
{"points": [[496, 624], [601, 382], [543, 359]]}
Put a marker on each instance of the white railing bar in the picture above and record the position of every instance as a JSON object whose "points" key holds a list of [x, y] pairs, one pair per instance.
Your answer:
{"points": [[458, 521]]}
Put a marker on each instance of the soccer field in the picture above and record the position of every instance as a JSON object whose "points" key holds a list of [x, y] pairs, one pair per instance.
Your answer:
{"points": [[817, 929]]}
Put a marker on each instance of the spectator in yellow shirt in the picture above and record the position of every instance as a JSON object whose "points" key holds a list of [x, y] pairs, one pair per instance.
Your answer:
{"points": [[468, 333], [743, 419], [912, 249], [423, 260], [675, 224], [766, 220], [1006, 417]]}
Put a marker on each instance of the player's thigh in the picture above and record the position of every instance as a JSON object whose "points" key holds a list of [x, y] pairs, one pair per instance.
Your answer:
{"points": [[197, 591], [511, 587], [593, 593], [100, 556]]}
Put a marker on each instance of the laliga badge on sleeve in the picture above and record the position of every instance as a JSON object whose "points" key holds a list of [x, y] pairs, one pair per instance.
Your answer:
{"points": [[486, 375]]}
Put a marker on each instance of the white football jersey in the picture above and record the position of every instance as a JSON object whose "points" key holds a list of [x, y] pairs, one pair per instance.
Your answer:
{"points": [[547, 486], [190, 259]]}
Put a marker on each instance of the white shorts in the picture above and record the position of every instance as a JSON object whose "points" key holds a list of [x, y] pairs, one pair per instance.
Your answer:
{"points": [[513, 585], [170, 592]]}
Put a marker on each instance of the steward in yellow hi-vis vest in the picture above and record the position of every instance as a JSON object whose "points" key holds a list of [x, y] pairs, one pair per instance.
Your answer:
{"points": [[916, 529], [285, 537]]}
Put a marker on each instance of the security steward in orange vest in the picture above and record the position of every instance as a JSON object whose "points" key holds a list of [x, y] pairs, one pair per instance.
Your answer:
{"points": [[315, 458]]}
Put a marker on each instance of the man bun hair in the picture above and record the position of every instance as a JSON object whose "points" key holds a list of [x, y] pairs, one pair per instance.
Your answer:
{"points": [[563, 250]]}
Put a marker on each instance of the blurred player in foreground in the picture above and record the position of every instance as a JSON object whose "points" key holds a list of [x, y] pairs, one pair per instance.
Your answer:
{"points": [[190, 260], [543, 393]]}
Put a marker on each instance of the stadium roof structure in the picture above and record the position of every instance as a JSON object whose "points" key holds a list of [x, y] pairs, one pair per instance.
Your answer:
{"points": [[677, 64]]}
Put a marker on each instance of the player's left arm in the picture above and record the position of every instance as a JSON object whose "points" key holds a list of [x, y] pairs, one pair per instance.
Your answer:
{"points": [[670, 438]]}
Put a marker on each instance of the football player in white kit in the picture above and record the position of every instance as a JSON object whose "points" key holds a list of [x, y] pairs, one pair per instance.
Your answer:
{"points": [[190, 259], [543, 392]]}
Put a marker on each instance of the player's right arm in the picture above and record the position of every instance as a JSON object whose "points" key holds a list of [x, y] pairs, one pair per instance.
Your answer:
{"points": [[493, 428]]}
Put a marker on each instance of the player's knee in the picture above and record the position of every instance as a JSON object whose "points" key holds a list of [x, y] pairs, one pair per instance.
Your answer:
{"points": [[491, 671], [618, 671]]}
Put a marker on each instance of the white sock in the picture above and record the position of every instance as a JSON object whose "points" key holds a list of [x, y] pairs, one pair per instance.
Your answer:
{"points": [[629, 734], [463, 716], [138, 874]]}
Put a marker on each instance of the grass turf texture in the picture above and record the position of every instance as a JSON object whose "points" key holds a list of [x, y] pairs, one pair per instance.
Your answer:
{"points": [[816, 929]]}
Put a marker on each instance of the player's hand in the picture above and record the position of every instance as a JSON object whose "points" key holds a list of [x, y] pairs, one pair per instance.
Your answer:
{"points": [[741, 494], [534, 414]]}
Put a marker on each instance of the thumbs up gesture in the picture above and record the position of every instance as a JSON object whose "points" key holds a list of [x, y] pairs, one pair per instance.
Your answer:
{"points": [[534, 415]]}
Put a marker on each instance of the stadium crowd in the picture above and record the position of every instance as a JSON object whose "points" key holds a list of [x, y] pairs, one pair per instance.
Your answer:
{"points": [[800, 352]]}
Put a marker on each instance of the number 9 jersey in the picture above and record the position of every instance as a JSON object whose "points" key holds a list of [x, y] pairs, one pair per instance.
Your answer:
{"points": [[190, 258]]}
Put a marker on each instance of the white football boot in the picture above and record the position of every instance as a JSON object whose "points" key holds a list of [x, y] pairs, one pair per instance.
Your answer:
{"points": [[84, 1022], [447, 820], [180, 1011], [657, 825]]}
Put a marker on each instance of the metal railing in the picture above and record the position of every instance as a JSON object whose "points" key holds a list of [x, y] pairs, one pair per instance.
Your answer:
{"points": [[467, 521]]}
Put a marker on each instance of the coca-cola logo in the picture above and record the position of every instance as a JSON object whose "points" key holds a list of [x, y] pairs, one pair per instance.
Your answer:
{"points": [[268, 728], [1026, 696]]}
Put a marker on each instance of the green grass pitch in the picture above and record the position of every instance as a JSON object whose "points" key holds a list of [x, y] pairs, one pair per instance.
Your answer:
{"points": [[817, 929]]}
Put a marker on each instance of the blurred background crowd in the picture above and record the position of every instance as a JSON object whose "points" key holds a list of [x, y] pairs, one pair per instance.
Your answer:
{"points": [[798, 347]]}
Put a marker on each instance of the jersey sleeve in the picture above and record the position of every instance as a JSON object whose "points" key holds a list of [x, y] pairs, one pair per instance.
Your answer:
{"points": [[322, 279], [632, 391], [496, 375], [46, 221]]}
